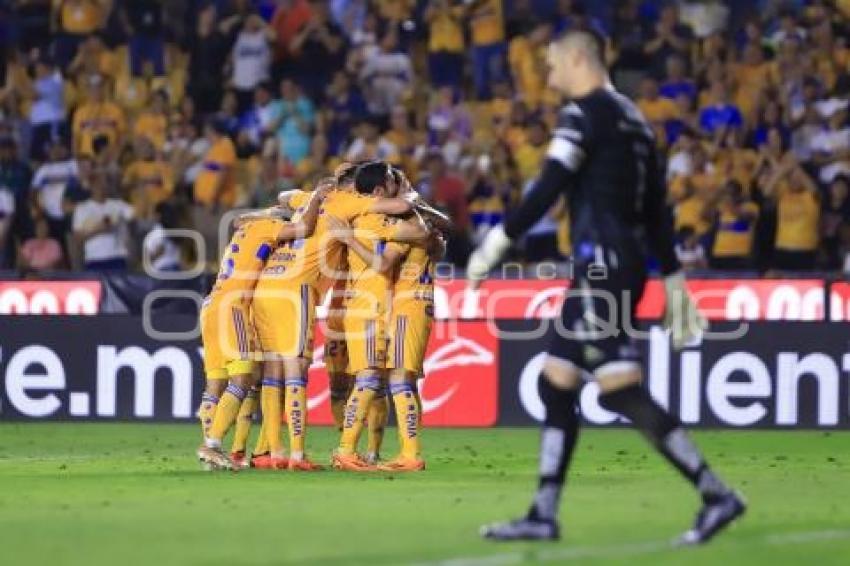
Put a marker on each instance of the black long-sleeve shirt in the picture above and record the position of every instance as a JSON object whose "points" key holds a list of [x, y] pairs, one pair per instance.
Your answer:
{"points": [[603, 159]]}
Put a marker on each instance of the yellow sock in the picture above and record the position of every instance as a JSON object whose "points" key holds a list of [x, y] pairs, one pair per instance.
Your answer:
{"points": [[206, 412], [225, 413], [262, 445], [296, 414], [243, 422], [407, 415], [270, 402], [376, 422], [355, 411]]}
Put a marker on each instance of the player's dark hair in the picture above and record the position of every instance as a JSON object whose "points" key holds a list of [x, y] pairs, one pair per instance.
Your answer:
{"points": [[397, 174], [370, 176], [348, 175]]}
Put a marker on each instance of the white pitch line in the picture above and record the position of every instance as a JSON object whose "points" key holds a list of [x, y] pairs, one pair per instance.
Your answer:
{"points": [[624, 550]]}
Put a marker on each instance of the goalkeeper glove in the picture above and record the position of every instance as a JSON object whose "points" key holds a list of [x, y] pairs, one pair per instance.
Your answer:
{"points": [[681, 316], [487, 255]]}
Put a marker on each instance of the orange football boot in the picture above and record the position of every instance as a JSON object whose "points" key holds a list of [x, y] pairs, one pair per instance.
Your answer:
{"points": [[239, 460], [401, 464], [304, 465], [268, 462], [351, 463]]}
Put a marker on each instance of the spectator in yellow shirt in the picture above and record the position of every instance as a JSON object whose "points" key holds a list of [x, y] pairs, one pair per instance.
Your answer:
{"points": [[797, 216], [527, 61], [735, 229], [215, 186], [99, 124], [657, 109], [147, 181], [487, 32], [530, 153], [445, 43], [152, 123], [752, 79], [72, 21]]}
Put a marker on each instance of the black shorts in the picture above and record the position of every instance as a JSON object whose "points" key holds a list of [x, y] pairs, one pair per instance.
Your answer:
{"points": [[594, 329]]}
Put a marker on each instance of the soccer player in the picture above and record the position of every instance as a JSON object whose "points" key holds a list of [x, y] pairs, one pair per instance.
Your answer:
{"points": [[296, 274], [367, 304], [603, 159], [226, 329], [409, 329]]}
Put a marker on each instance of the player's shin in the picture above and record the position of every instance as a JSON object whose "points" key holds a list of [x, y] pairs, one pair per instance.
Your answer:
{"points": [[366, 385], [340, 386], [557, 441], [262, 445], [667, 434], [407, 416], [244, 420], [228, 409], [209, 402], [272, 410], [376, 423], [296, 414]]}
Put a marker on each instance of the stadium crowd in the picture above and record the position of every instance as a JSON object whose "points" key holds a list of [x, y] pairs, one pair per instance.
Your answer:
{"points": [[119, 119]]}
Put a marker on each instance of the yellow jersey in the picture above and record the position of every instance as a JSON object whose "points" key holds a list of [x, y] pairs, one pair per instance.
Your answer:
{"points": [[221, 156], [751, 80], [92, 120], [487, 23], [369, 292], [446, 30], [319, 260], [528, 160], [244, 258], [152, 126], [395, 10], [152, 181], [690, 212], [798, 219], [528, 69], [80, 17], [657, 112], [414, 279], [735, 234]]}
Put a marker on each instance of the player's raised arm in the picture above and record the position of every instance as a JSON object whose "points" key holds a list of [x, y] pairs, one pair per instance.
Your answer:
{"points": [[305, 227], [433, 217], [391, 206]]}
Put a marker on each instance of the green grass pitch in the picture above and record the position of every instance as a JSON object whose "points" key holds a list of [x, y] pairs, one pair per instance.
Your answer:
{"points": [[105, 494]]}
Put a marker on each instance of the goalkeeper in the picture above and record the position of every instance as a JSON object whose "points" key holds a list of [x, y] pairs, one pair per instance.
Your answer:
{"points": [[602, 159]]}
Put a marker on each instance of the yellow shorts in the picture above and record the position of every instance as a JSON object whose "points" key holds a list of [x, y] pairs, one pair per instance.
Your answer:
{"points": [[228, 338], [336, 350], [409, 330], [284, 319], [366, 340]]}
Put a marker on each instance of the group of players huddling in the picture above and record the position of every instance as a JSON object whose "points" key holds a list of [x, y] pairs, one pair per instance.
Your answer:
{"points": [[603, 159], [365, 236]]}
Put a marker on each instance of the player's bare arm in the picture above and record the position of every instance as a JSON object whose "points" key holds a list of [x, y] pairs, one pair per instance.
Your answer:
{"points": [[306, 226], [382, 263]]}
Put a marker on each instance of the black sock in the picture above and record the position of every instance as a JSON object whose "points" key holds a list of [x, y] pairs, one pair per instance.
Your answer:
{"points": [[557, 440], [666, 433]]}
